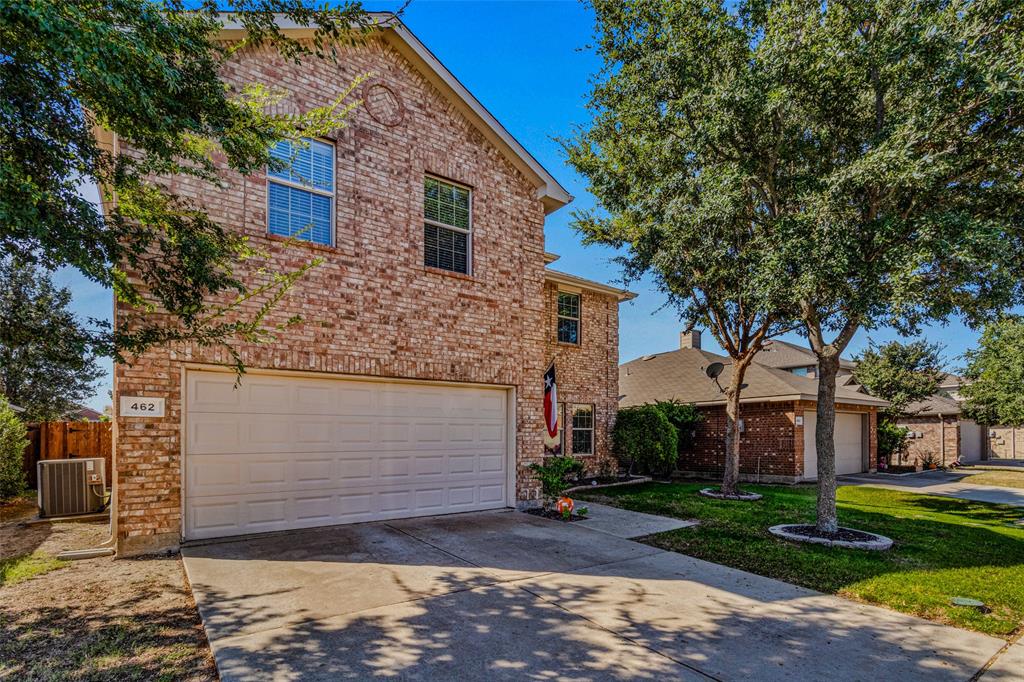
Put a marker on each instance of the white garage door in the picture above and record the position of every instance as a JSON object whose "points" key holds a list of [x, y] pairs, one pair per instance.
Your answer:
{"points": [[848, 439], [284, 452]]}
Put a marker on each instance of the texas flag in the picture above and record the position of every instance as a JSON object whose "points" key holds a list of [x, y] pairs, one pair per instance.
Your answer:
{"points": [[552, 442]]}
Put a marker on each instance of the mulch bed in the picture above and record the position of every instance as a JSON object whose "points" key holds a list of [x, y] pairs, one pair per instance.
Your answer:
{"points": [[843, 534], [553, 515], [602, 480]]}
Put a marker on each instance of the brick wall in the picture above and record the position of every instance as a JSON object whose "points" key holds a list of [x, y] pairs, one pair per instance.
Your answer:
{"points": [[930, 444], [587, 373], [766, 444], [371, 308], [1004, 442], [771, 445]]}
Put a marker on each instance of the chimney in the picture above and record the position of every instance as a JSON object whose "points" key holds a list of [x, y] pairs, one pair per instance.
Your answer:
{"points": [[690, 339]]}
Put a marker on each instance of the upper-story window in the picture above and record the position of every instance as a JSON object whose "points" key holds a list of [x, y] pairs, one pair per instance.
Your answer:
{"points": [[300, 197], [447, 226], [568, 317]]}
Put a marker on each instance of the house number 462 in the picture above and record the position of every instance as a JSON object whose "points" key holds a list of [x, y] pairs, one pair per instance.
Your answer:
{"points": [[140, 406]]}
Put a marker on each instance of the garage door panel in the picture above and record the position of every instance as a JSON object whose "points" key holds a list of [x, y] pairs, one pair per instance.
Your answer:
{"points": [[226, 474], [287, 452], [848, 436], [220, 516]]}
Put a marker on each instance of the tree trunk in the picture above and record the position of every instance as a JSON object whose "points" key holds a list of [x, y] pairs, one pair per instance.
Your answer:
{"points": [[731, 475], [824, 440]]}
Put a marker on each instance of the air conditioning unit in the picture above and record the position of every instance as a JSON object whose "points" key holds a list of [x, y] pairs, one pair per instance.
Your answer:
{"points": [[71, 486]]}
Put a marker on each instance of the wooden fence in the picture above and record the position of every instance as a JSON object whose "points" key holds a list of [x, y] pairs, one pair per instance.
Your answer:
{"points": [[68, 440]]}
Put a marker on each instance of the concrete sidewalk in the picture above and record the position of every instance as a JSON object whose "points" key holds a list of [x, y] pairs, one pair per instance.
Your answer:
{"points": [[507, 595], [943, 483]]}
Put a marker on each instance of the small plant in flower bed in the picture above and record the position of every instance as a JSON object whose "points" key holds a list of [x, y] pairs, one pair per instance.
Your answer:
{"points": [[554, 476]]}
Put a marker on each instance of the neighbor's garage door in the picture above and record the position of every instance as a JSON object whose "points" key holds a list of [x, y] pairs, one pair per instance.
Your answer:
{"points": [[848, 439], [284, 452]]}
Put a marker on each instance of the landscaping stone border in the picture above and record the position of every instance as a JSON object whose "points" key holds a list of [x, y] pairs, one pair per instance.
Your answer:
{"points": [[716, 494], [634, 481], [878, 543]]}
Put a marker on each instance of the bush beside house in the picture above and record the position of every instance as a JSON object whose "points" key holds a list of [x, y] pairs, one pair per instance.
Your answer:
{"points": [[13, 440], [645, 440]]}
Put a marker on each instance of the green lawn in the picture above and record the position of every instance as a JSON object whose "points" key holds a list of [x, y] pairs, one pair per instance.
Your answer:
{"points": [[1001, 477], [943, 547], [16, 569]]}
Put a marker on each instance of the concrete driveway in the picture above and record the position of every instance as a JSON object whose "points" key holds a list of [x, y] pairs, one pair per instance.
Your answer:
{"points": [[943, 483], [504, 595]]}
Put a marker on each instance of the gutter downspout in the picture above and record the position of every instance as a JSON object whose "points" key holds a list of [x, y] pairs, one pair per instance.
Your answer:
{"points": [[942, 438]]}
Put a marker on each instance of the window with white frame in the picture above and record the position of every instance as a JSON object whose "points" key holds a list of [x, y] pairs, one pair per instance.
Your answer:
{"points": [[568, 317], [447, 226], [300, 196], [582, 429]]}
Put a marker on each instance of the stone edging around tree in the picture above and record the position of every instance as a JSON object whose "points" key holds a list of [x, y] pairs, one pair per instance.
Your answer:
{"points": [[871, 541], [716, 494]]}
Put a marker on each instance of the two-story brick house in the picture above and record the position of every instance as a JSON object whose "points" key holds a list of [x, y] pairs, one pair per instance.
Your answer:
{"points": [[414, 384]]}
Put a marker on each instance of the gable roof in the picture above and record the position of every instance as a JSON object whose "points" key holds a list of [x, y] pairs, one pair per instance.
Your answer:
{"points": [[679, 375], [549, 191], [786, 355], [933, 406]]}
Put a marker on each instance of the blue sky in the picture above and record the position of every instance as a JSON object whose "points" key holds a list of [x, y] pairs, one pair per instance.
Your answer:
{"points": [[528, 63]]}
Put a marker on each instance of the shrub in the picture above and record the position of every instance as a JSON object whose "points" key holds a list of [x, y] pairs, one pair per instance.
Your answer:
{"points": [[892, 441], [554, 475], [685, 417], [13, 439], [644, 440]]}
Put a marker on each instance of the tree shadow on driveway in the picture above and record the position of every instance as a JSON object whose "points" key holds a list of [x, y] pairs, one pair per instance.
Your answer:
{"points": [[506, 596]]}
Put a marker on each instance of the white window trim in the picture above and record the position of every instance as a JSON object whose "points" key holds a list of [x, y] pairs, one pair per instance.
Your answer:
{"points": [[468, 231], [592, 430], [578, 319], [332, 195]]}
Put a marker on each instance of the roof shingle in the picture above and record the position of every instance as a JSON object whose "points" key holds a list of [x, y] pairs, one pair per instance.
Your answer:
{"points": [[679, 375]]}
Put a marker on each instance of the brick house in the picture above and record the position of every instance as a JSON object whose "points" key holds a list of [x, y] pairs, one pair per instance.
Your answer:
{"points": [[414, 384], [777, 415], [937, 431]]}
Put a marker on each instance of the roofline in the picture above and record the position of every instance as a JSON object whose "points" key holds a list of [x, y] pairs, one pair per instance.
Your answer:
{"points": [[796, 397], [572, 280], [549, 191]]}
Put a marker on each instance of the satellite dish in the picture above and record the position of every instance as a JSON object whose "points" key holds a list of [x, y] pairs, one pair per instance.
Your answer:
{"points": [[714, 370]]}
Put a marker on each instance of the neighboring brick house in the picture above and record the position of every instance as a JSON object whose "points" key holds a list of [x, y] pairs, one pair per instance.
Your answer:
{"points": [[939, 433], [802, 361], [777, 413], [414, 383]]}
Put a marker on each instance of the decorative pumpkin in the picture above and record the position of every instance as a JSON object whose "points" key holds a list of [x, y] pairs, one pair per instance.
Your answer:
{"points": [[564, 505]]}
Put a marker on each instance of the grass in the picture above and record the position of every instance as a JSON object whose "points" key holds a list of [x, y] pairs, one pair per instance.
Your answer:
{"points": [[943, 547], [16, 569], [1008, 479]]}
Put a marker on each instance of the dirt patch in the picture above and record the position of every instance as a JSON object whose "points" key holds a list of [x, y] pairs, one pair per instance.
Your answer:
{"points": [[99, 619]]}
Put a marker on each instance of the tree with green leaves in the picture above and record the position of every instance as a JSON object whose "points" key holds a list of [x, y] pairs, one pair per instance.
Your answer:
{"points": [[148, 72], [879, 141], [13, 441], [47, 363], [993, 390], [695, 224], [901, 373]]}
